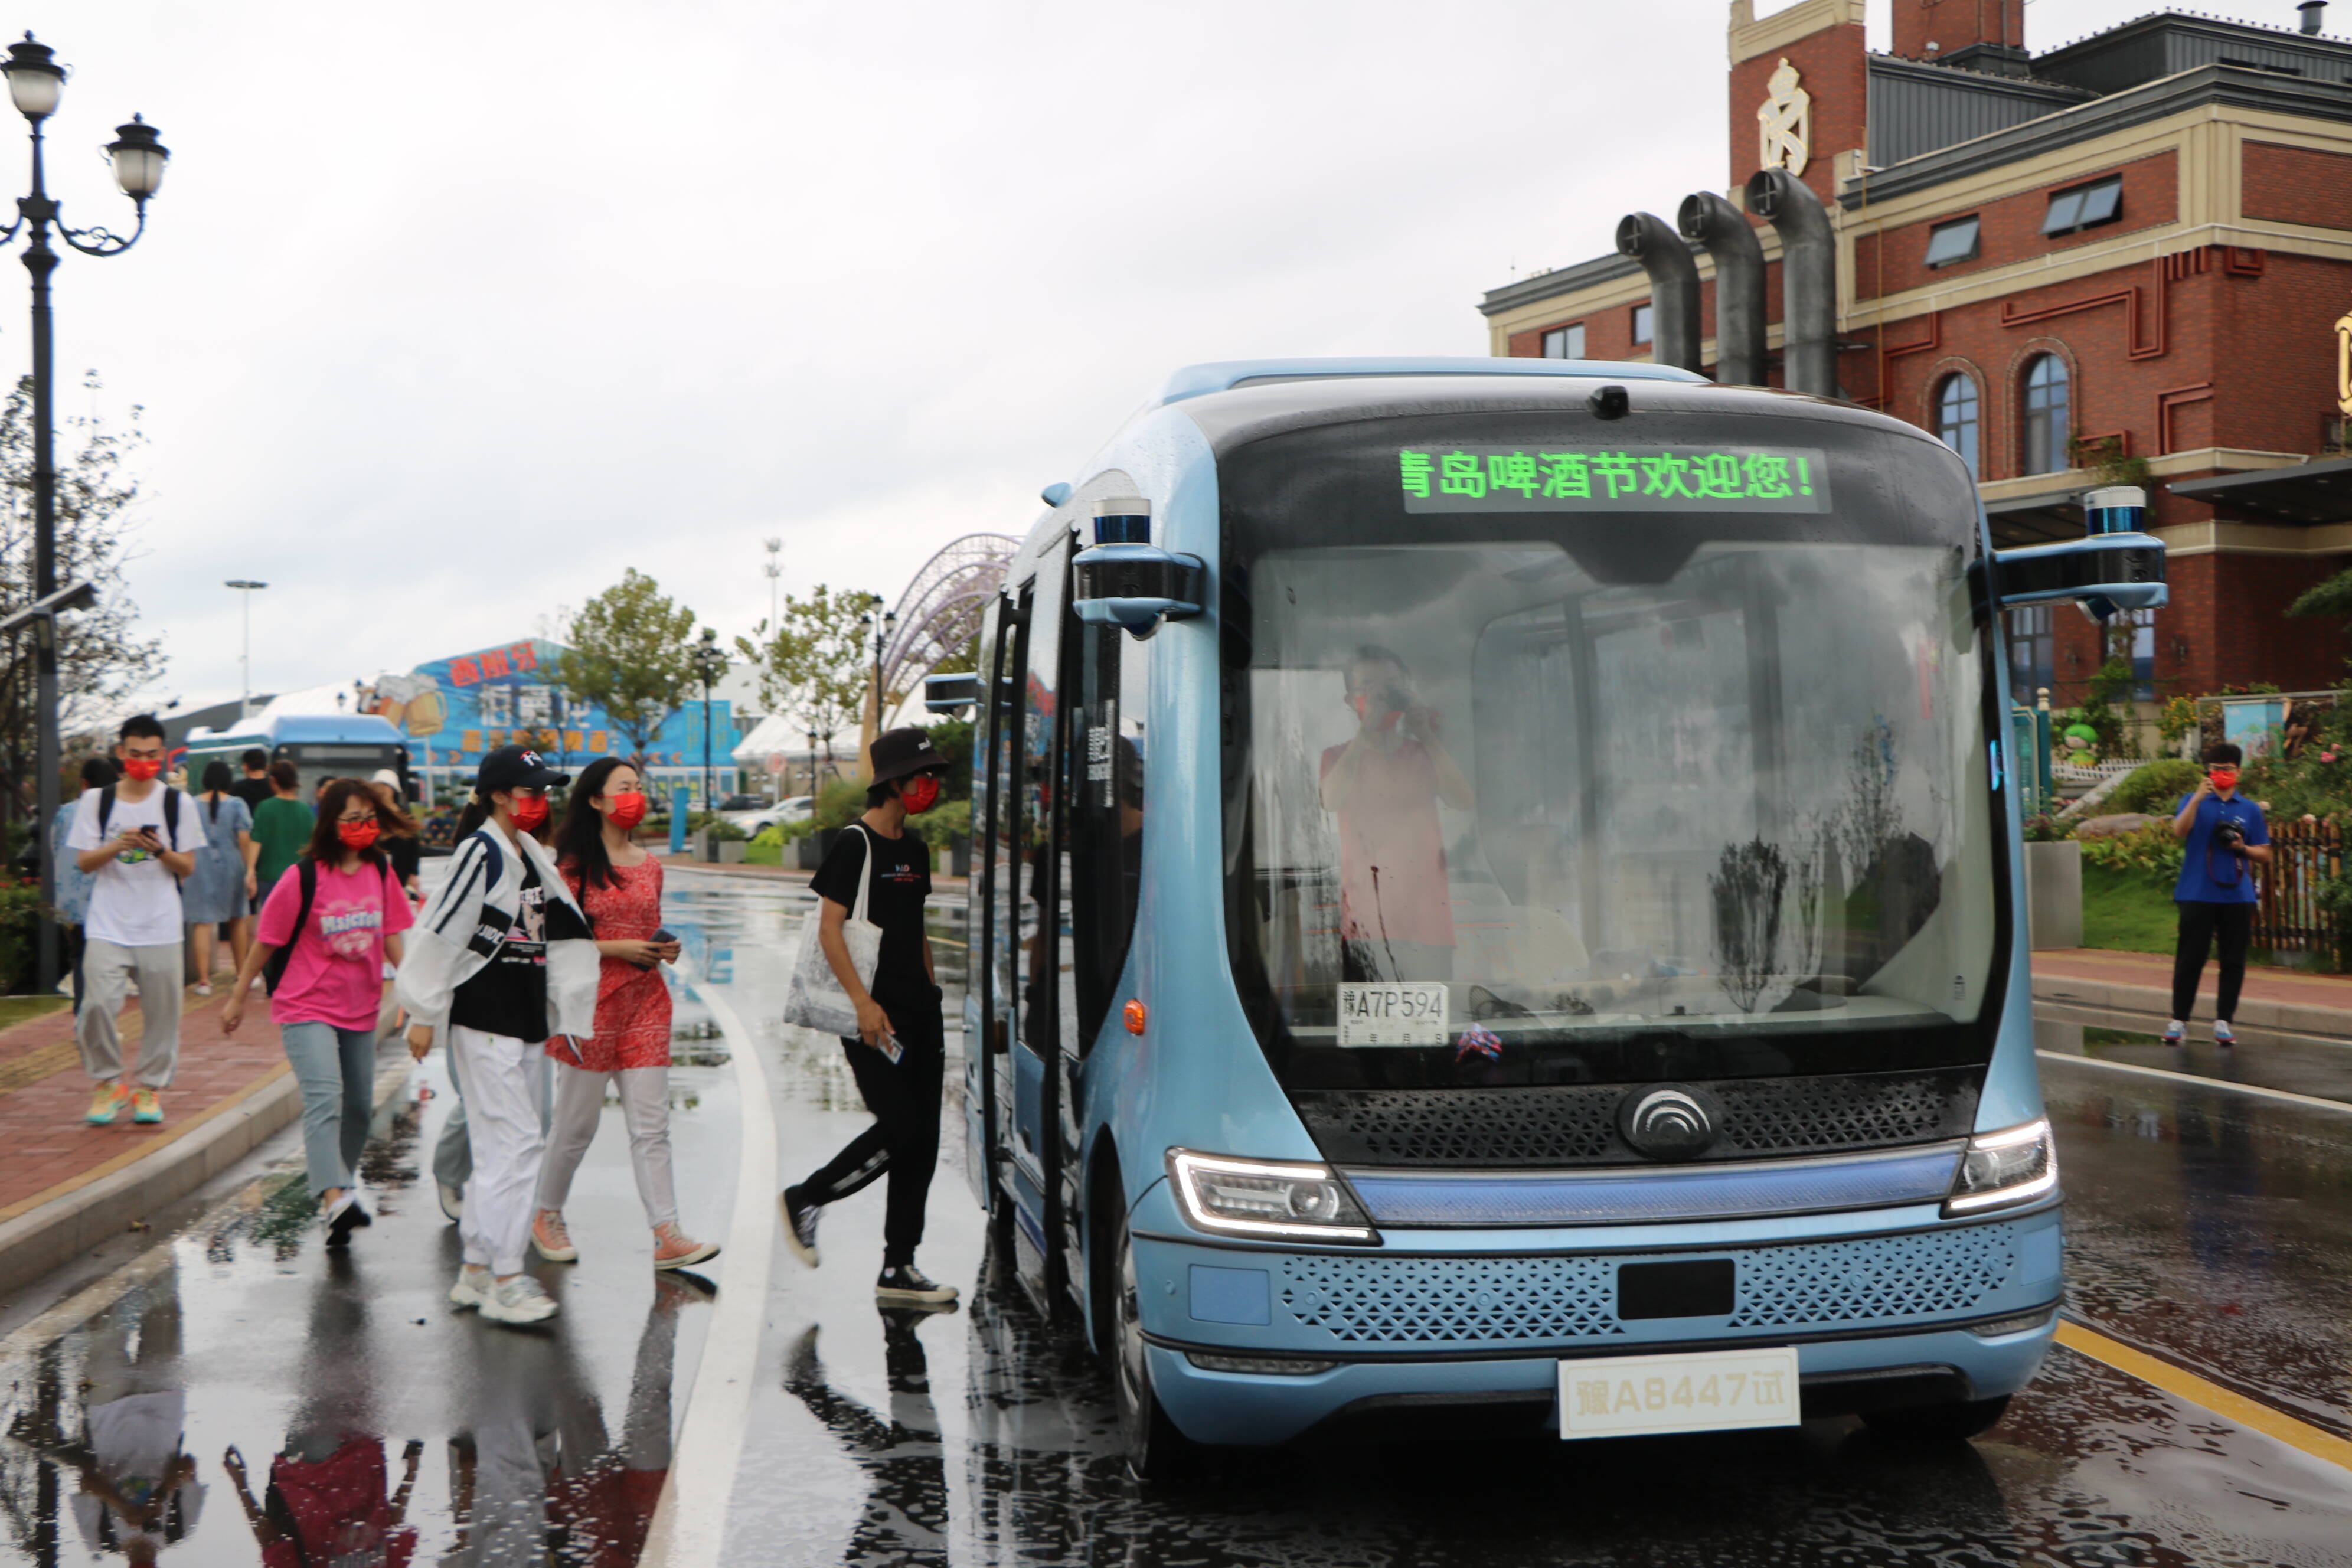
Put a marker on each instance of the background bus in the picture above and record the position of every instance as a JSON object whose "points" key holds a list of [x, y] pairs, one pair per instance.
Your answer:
{"points": [[320, 745]]}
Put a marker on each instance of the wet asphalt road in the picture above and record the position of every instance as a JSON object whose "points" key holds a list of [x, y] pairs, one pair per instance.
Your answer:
{"points": [[2206, 1224]]}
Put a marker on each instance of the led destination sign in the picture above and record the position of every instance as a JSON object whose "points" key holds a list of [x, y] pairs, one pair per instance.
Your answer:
{"points": [[1634, 479]]}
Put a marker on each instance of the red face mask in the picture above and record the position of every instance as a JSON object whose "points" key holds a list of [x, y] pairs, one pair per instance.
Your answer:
{"points": [[920, 793], [357, 835], [143, 767], [1363, 705], [528, 811], [2224, 778], [625, 810]]}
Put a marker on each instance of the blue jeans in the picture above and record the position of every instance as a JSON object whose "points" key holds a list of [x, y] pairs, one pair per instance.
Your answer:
{"points": [[336, 1068]]}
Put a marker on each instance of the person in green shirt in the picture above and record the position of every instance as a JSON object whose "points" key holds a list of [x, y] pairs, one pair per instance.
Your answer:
{"points": [[281, 825]]}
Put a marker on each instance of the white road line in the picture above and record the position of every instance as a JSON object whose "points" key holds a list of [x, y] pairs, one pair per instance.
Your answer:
{"points": [[2311, 1100], [689, 1523]]}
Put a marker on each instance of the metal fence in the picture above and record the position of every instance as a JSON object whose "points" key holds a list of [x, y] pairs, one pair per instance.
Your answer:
{"points": [[2288, 917]]}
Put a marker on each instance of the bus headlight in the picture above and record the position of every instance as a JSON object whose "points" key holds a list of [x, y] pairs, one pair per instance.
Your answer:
{"points": [[2004, 1169], [1259, 1197]]}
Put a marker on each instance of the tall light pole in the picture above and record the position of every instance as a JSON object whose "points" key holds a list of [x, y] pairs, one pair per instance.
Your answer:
{"points": [[246, 589], [774, 570], [36, 82], [879, 624], [711, 665]]}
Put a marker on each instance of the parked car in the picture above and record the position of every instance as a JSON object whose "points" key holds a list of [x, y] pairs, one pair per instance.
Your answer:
{"points": [[746, 811], [792, 808]]}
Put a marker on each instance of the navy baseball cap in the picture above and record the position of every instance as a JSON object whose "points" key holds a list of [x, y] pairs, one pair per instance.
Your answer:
{"points": [[514, 767]]}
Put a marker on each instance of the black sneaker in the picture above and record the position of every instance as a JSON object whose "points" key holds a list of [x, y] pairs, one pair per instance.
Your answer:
{"points": [[345, 1218], [905, 1282], [800, 1225]]}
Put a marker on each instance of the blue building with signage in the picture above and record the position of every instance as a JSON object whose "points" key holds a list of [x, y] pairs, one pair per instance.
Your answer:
{"points": [[452, 710]]}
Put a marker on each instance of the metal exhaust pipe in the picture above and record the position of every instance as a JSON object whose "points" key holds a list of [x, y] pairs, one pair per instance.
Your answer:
{"points": [[1723, 231], [1808, 278], [1674, 287]]}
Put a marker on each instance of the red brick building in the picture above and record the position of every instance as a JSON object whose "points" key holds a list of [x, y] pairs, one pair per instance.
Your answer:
{"points": [[2122, 260]]}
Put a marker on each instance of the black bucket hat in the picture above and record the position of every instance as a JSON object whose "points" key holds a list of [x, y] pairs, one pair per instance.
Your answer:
{"points": [[898, 752], [514, 767]]}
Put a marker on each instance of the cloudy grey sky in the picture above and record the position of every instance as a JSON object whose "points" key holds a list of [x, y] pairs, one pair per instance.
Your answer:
{"points": [[449, 312]]}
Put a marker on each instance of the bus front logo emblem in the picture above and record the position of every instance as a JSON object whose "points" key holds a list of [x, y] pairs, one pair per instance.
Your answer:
{"points": [[1669, 1123]]}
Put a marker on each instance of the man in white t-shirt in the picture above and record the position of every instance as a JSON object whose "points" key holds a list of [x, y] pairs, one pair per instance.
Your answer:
{"points": [[136, 839]]}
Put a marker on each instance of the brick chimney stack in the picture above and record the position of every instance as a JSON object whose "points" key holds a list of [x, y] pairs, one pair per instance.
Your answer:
{"points": [[1981, 35]]}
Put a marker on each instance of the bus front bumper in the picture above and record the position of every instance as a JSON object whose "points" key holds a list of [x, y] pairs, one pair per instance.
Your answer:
{"points": [[1253, 1345]]}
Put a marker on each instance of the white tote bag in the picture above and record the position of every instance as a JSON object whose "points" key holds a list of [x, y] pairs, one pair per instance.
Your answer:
{"points": [[814, 999]]}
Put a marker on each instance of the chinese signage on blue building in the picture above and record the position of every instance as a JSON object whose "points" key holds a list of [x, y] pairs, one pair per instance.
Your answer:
{"points": [[452, 710]]}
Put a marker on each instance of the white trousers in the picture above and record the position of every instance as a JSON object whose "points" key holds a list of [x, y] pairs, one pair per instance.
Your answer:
{"points": [[502, 1079], [580, 1106]]}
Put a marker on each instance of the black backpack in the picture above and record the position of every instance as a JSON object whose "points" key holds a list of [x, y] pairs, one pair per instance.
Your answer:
{"points": [[273, 971]]}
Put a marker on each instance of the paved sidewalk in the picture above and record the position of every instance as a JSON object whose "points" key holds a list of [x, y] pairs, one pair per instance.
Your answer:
{"points": [[63, 1182], [941, 881], [2288, 999]]}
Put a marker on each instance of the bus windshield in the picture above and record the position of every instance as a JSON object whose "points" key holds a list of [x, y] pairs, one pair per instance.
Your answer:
{"points": [[1607, 790]]}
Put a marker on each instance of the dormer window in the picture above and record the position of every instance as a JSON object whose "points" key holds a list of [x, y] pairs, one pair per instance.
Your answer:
{"points": [[1953, 241], [2079, 208]]}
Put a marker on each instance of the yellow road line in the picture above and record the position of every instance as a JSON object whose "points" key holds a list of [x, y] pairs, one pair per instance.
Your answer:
{"points": [[2232, 1407]]}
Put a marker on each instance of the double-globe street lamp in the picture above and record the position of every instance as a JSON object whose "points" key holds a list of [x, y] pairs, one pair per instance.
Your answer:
{"points": [[36, 82]]}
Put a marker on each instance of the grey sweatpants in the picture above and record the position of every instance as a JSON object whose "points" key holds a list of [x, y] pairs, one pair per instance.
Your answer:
{"points": [[110, 973], [580, 1106]]}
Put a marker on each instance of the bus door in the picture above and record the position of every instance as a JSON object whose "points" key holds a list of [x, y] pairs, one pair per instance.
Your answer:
{"points": [[988, 979]]}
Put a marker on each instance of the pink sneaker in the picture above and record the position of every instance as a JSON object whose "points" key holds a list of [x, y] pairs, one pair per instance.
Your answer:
{"points": [[673, 1248], [550, 1240]]}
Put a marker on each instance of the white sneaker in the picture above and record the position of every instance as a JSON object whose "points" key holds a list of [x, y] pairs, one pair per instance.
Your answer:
{"points": [[473, 1287], [2223, 1034], [521, 1299]]}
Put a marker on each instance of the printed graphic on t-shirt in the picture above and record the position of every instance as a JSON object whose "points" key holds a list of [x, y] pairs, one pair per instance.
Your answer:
{"points": [[348, 928], [526, 940]]}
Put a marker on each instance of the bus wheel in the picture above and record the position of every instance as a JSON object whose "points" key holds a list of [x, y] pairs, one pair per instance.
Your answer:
{"points": [[1954, 1423], [1155, 1449]]}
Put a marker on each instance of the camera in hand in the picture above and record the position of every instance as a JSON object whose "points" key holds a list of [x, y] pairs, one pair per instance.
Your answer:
{"points": [[2229, 836]]}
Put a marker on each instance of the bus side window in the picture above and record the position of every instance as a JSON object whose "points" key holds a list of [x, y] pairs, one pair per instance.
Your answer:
{"points": [[1007, 863], [1106, 791]]}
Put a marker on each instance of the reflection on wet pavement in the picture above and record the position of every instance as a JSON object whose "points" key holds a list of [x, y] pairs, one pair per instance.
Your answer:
{"points": [[364, 1422], [2290, 1063]]}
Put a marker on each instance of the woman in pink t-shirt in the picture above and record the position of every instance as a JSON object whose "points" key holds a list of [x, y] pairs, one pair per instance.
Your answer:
{"points": [[326, 996]]}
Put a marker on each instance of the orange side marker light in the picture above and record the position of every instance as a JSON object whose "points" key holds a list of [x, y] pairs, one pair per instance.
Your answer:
{"points": [[1136, 1016]]}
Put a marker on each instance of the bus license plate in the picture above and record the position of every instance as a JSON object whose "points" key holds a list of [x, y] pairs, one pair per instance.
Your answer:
{"points": [[1707, 1391], [1397, 1015]]}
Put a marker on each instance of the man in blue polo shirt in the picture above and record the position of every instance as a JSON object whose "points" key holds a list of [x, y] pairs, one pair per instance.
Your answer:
{"points": [[2227, 839]]}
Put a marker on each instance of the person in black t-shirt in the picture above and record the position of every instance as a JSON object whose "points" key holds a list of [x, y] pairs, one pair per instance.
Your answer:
{"points": [[254, 786], [899, 1054]]}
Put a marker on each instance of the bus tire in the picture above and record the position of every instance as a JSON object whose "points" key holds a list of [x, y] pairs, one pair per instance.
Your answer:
{"points": [[1954, 1423], [1154, 1448]]}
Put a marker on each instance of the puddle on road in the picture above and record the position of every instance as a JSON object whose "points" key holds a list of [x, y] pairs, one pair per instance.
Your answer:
{"points": [[2260, 1058]]}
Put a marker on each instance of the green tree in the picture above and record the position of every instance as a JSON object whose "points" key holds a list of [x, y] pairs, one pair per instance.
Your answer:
{"points": [[100, 658], [813, 665], [2332, 597], [630, 651]]}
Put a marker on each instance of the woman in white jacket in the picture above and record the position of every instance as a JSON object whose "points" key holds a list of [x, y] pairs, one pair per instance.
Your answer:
{"points": [[500, 959]]}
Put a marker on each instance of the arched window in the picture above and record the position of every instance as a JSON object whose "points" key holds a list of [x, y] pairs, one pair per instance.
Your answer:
{"points": [[2047, 421], [1956, 418]]}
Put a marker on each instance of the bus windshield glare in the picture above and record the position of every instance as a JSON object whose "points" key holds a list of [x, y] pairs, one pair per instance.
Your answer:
{"points": [[1643, 762]]}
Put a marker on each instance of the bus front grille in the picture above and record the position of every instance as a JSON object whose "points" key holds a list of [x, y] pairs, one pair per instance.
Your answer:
{"points": [[1463, 1301], [1576, 1123]]}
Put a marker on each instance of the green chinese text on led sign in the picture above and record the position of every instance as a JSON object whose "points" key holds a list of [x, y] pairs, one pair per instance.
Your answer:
{"points": [[1632, 479]]}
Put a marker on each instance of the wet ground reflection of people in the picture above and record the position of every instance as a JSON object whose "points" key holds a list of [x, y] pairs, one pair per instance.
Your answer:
{"points": [[904, 1520], [328, 1498], [603, 1492], [134, 1489], [535, 1477]]}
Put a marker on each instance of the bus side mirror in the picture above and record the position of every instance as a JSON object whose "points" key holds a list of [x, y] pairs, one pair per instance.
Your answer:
{"points": [[2106, 573], [1125, 580], [950, 693], [2117, 566]]}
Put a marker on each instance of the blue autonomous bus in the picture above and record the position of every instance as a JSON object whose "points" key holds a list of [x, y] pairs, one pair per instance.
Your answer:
{"points": [[1496, 893]]}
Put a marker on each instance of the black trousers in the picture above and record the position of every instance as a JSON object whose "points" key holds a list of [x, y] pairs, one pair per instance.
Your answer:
{"points": [[2199, 924], [904, 1142]]}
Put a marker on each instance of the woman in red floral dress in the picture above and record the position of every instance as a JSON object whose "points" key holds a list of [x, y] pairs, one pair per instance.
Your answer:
{"points": [[620, 887]]}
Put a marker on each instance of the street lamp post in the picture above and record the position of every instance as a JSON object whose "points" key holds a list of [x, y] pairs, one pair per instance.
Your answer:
{"points": [[774, 571], [811, 738], [246, 589], [36, 82], [711, 665]]}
